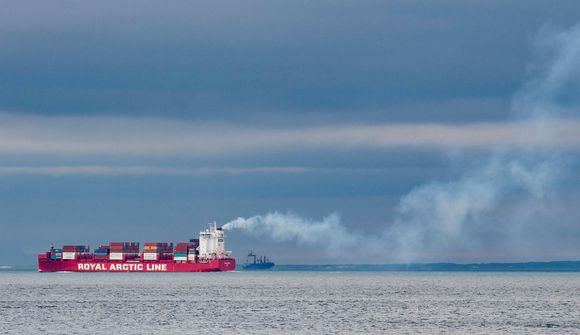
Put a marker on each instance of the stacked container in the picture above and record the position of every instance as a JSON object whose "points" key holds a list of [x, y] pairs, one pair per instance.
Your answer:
{"points": [[102, 253], [166, 251], [180, 252], [120, 251], [116, 251], [75, 251], [55, 254], [123, 251], [192, 249], [153, 251], [150, 251]]}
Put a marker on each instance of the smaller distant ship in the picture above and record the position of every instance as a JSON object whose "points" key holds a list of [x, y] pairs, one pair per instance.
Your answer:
{"points": [[255, 262]]}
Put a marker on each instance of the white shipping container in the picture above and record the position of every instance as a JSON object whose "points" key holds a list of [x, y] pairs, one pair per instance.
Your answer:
{"points": [[69, 255], [179, 258], [116, 256], [150, 256], [191, 257]]}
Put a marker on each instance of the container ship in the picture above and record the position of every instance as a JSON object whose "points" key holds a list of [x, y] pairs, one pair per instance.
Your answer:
{"points": [[255, 262], [205, 254]]}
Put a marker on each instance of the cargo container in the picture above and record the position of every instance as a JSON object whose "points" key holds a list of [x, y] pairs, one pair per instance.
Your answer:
{"points": [[150, 256], [116, 256], [69, 255]]}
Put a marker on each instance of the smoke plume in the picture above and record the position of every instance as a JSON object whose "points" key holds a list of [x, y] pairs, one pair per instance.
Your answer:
{"points": [[502, 204], [329, 234]]}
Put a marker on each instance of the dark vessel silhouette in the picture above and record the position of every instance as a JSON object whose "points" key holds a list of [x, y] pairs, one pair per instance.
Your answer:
{"points": [[255, 262]]}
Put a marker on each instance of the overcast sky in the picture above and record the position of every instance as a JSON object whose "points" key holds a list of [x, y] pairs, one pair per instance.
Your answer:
{"points": [[141, 120]]}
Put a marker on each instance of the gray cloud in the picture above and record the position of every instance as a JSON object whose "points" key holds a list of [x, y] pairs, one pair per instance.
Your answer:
{"points": [[110, 136], [232, 61], [103, 170]]}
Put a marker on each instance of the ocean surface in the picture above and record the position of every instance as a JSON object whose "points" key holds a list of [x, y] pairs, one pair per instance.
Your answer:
{"points": [[290, 303]]}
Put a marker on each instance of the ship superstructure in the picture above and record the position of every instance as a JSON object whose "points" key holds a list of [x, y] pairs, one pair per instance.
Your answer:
{"points": [[207, 253], [211, 243]]}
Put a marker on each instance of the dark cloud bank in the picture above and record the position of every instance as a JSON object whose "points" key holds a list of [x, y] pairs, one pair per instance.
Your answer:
{"points": [[292, 61]]}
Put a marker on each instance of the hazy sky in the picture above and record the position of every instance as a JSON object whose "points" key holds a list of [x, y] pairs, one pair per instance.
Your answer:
{"points": [[143, 121]]}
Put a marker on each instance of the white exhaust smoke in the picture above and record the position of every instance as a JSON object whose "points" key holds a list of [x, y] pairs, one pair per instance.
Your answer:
{"points": [[502, 204], [508, 194], [328, 234]]}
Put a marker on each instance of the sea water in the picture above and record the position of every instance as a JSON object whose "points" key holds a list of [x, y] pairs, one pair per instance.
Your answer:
{"points": [[289, 303]]}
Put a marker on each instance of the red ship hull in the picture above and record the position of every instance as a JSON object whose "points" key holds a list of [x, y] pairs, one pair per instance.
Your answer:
{"points": [[88, 265]]}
